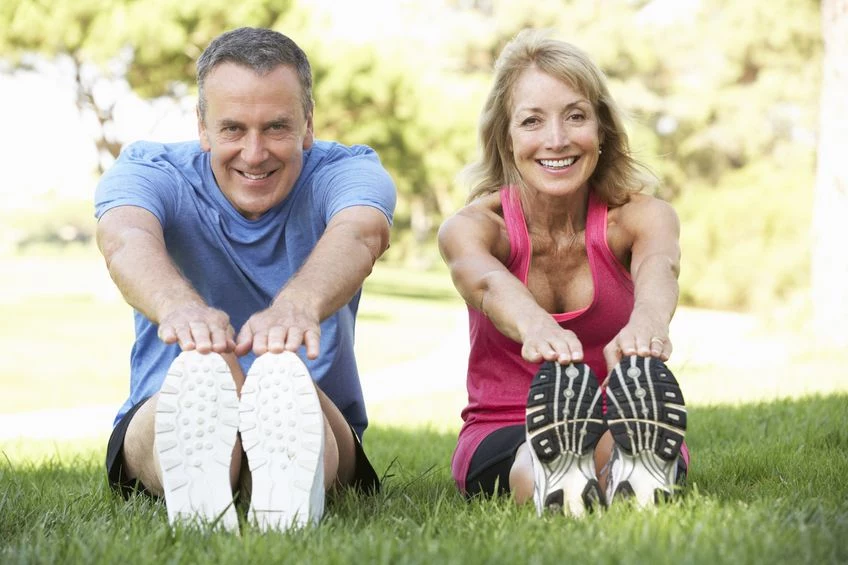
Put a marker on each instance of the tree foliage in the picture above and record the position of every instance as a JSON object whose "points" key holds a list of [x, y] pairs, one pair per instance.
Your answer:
{"points": [[722, 97], [149, 44]]}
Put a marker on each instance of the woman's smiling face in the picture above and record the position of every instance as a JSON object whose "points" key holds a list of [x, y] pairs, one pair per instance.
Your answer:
{"points": [[554, 134]]}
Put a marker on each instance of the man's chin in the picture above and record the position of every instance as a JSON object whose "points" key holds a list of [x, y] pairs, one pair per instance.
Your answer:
{"points": [[253, 210]]}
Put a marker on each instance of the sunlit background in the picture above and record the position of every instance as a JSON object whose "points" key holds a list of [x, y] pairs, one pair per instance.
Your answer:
{"points": [[723, 98]]}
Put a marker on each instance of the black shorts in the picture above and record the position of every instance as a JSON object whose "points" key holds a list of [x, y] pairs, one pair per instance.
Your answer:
{"points": [[493, 459], [365, 478]]}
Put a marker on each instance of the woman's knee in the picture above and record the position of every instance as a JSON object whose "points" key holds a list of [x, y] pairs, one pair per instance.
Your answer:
{"points": [[521, 475]]}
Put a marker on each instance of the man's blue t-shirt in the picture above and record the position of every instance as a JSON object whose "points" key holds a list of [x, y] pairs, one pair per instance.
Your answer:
{"points": [[239, 265]]}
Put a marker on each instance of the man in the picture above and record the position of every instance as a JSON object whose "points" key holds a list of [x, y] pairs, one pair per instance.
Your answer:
{"points": [[237, 252]]}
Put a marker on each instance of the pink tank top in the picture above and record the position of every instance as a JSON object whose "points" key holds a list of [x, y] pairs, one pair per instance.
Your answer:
{"points": [[498, 377]]}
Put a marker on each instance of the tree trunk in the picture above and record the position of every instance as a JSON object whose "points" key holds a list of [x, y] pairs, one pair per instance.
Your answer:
{"points": [[830, 208], [108, 148]]}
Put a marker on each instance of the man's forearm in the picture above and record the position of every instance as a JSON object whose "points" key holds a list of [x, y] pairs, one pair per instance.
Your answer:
{"points": [[335, 270], [149, 281]]}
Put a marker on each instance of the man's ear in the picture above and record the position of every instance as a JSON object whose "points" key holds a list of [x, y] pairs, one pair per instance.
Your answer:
{"points": [[201, 131], [309, 136]]}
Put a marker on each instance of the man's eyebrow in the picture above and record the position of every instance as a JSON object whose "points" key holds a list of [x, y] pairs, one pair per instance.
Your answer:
{"points": [[279, 120], [228, 122]]}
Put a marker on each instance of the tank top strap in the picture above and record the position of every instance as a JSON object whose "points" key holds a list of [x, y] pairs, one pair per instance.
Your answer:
{"points": [[602, 260], [516, 228], [596, 222]]}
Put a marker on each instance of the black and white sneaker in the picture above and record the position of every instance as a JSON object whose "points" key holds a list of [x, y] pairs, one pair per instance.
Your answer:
{"points": [[564, 423], [647, 417], [196, 424], [282, 432]]}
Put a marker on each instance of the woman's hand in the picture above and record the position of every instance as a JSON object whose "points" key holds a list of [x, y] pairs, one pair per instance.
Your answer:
{"points": [[547, 341], [641, 336]]}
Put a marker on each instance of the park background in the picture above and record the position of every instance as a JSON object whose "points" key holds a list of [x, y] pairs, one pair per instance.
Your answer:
{"points": [[738, 107]]}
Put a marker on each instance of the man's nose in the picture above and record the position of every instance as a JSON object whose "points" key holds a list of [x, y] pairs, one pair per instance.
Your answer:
{"points": [[253, 151]]}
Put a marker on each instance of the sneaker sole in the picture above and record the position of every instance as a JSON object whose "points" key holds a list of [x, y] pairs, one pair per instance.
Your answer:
{"points": [[196, 424], [282, 433], [647, 418], [564, 423]]}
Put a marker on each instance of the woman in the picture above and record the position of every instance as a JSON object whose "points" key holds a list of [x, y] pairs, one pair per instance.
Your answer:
{"points": [[570, 275]]}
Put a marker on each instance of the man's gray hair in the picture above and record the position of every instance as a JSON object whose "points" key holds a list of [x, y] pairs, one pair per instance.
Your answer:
{"points": [[261, 50]]}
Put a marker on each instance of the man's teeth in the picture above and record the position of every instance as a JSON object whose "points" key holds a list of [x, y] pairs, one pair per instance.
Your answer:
{"points": [[559, 163], [255, 177]]}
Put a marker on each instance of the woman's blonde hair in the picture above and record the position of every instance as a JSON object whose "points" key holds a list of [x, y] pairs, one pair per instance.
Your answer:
{"points": [[617, 174]]}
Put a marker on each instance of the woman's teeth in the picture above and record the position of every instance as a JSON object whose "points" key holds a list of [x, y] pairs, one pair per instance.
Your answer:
{"points": [[558, 163]]}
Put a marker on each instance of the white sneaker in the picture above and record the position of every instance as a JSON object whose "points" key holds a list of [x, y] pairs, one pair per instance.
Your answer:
{"points": [[564, 424], [196, 425], [647, 418], [282, 433]]}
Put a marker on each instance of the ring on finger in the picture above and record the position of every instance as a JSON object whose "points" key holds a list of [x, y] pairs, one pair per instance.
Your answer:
{"points": [[657, 340]]}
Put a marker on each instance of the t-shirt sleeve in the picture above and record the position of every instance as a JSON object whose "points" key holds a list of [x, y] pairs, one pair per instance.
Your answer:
{"points": [[138, 178], [358, 179]]}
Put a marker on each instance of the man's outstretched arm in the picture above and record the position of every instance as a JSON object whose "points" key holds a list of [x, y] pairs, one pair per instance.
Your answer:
{"points": [[338, 265], [133, 245]]}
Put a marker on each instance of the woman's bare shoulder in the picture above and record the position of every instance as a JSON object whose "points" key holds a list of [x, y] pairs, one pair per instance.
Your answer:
{"points": [[641, 209], [480, 221]]}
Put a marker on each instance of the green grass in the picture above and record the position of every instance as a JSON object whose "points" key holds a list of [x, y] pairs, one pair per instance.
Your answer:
{"points": [[767, 485]]}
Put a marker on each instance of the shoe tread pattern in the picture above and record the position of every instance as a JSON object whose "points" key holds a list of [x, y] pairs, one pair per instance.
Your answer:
{"points": [[196, 423], [282, 429], [564, 413], [563, 425], [646, 408]]}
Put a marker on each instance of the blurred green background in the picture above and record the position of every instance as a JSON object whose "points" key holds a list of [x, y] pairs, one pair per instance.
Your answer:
{"points": [[723, 98]]}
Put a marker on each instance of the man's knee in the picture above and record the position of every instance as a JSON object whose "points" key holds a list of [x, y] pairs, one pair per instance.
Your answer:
{"points": [[331, 457]]}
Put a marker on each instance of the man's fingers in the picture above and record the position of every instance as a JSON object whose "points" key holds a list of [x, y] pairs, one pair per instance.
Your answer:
{"points": [[312, 341], [201, 334], [185, 338], [294, 339], [260, 342], [168, 334], [277, 339], [244, 340], [220, 341]]}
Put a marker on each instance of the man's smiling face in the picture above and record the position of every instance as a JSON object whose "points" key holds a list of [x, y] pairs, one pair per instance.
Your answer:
{"points": [[256, 131]]}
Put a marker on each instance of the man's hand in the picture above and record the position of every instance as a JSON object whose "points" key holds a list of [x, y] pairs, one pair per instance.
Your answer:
{"points": [[285, 326], [196, 326]]}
